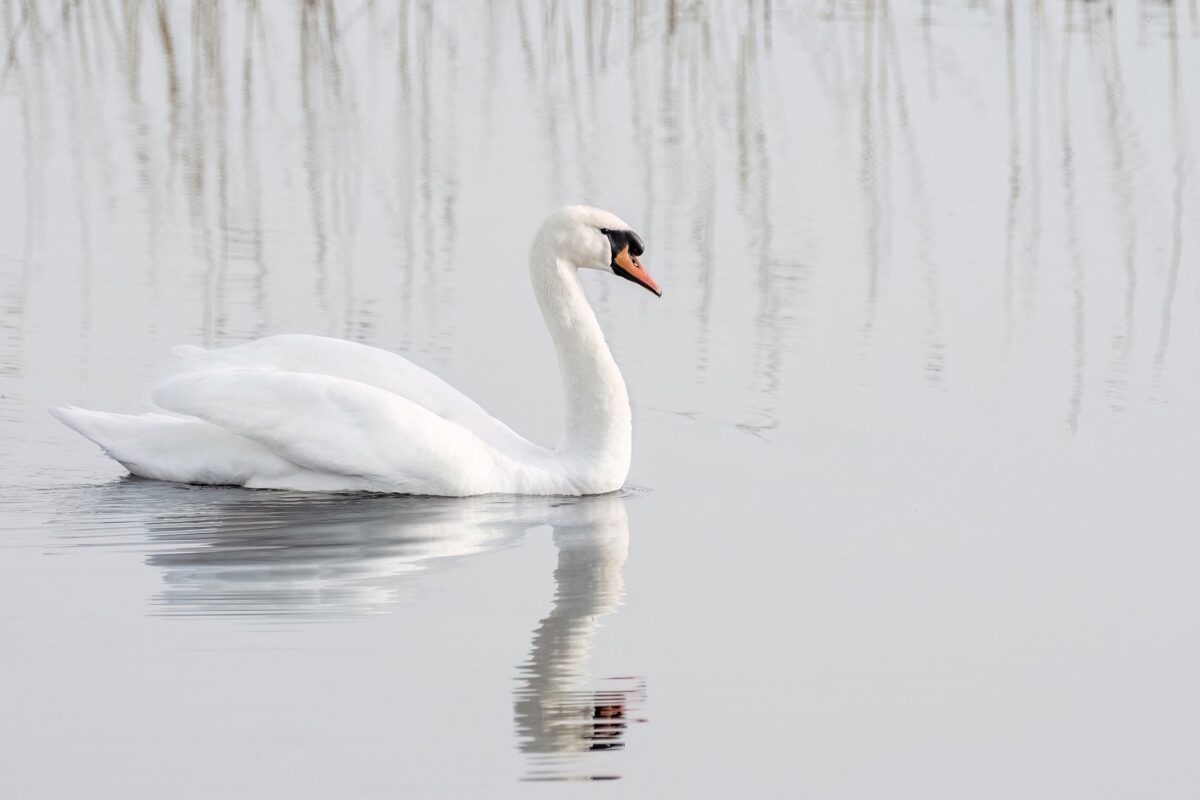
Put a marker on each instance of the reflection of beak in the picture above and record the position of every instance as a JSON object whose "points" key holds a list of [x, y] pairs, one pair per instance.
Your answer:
{"points": [[628, 267]]}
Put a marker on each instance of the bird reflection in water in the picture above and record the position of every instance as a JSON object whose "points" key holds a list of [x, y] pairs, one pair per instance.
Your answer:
{"points": [[558, 719], [282, 555], [302, 557]]}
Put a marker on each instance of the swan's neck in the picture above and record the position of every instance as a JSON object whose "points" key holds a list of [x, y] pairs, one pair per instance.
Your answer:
{"points": [[598, 438]]}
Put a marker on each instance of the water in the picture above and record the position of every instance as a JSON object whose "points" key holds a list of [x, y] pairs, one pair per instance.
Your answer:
{"points": [[912, 506]]}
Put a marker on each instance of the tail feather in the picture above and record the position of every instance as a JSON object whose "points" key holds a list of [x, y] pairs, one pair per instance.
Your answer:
{"points": [[175, 448]]}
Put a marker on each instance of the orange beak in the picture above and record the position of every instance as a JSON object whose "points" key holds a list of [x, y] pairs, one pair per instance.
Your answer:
{"points": [[627, 266]]}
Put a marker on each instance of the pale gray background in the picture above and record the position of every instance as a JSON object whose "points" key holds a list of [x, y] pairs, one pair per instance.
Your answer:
{"points": [[913, 504]]}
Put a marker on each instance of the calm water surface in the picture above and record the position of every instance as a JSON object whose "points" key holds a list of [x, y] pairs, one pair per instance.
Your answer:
{"points": [[913, 504]]}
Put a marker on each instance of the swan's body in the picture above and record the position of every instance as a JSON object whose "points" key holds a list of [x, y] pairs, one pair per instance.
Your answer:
{"points": [[313, 413]]}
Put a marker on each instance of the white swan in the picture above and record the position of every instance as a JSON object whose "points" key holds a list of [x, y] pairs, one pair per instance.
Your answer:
{"points": [[314, 413]]}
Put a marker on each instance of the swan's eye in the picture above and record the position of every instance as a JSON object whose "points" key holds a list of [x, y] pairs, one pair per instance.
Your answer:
{"points": [[605, 231]]}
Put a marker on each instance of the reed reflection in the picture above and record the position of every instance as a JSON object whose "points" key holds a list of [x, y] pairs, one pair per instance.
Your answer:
{"points": [[1073, 239], [1180, 167], [261, 151], [1123, 142]]}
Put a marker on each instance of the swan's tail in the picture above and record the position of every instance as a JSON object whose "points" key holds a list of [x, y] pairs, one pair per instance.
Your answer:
{"points": [[111, 431], [175, 448]]}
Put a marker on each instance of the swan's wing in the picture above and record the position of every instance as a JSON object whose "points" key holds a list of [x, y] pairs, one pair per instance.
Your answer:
{"points": [[337, 358], [175, 449], [333, 425]]}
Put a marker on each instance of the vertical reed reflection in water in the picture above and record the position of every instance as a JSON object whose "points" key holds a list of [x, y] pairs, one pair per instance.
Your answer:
{"points": [[399, 201], [17, 267], [754, 184], [1179, 139], [926, 232], [251, 167], [209, 130], [643, 137], [869, 166], [695, 86], [1122, 136], [1071, 214], [311, 51], [446, 223], [583, 148], [1014, 164], [79, 90], [1038, 35], [927, 39], [673, 112], [423, 36], [145, 156], [332, 155], [174, 147]]}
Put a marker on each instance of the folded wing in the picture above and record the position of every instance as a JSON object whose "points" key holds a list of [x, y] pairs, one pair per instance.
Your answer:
{"points": [[335, 425], [362, 364]]}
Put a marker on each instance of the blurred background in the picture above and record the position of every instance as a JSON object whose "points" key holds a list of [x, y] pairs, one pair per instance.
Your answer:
{"points": [[912, 495]]}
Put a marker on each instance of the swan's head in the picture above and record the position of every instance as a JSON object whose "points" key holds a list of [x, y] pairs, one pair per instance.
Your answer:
{"points": [[591, 238]]}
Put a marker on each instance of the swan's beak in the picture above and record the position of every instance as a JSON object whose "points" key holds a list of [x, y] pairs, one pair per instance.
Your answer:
{"points": [[627, 266]]}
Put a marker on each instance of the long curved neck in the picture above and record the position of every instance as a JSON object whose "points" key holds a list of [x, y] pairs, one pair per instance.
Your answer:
{"points": [[599, 429]]}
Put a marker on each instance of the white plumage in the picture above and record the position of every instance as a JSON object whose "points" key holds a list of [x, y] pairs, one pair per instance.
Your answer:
{"points": [[314, 413]]}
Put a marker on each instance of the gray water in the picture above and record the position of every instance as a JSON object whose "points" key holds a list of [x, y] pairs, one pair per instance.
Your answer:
{"points": [[913, 506]]}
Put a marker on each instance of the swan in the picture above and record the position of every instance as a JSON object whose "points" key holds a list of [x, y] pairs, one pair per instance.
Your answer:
{"points": [[313, 413]]}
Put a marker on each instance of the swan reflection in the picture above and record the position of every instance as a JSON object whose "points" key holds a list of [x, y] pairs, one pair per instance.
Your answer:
{"points": [[306, 556], [559, 717], [272, 555]]}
